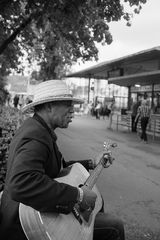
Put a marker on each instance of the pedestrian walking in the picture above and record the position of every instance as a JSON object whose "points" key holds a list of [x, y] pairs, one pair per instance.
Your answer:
{"points": [[21, 101], [16, 101], [143, 113], [134, 110], [112, 109], [97, 110], [105, 111]]}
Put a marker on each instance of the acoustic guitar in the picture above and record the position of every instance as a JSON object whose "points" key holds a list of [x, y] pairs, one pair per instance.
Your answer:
{"points": [[78, 225]]}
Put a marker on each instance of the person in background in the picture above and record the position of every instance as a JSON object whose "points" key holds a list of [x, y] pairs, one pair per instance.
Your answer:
{"points": [[112, 109], [97, 110], [92, 110], [28, 100], [15, 101], [35, 161], [105, 110], [1, 109], [21, 101], [8, 99], [134, 110], [143, 113]]}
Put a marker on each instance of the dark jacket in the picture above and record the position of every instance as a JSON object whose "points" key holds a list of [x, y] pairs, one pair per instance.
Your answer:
{"points": [[135, 107], [34, 161]]}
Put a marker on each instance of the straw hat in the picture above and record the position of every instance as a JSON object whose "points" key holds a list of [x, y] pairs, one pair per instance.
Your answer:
{"points": [[51, 91]]}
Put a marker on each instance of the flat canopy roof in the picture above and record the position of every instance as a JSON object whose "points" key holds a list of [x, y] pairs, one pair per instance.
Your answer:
{"points": [[147, 78], [100, 71]]}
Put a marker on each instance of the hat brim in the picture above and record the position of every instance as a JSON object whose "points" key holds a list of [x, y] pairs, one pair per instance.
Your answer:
{"points": [[30, 106]]}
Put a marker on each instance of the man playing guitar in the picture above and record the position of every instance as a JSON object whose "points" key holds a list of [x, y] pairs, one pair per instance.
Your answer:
{"points": [[34, 164]]}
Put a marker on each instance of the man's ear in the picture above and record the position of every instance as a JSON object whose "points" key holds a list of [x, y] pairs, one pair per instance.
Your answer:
{"points": [[49, 107]]}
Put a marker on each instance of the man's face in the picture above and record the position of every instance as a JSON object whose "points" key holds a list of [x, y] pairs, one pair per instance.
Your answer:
{"points": [[62, 114]]}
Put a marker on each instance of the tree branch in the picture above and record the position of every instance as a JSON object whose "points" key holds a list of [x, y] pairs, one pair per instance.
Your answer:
{"points": [[14, 35], [21, 27]]}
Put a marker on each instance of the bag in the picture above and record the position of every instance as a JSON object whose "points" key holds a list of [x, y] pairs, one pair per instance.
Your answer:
{"points": [[108, 112]]}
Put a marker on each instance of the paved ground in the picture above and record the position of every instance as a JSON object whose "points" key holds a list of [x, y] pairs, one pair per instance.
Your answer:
{"points": [[131, 186]]}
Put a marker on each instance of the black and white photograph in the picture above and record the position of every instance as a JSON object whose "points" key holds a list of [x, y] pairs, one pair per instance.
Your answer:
{"points": [[79, 120]]}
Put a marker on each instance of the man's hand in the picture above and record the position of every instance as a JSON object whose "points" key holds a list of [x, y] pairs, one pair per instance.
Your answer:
{"points": [[108, 160], [105, 157], [89, 199]]}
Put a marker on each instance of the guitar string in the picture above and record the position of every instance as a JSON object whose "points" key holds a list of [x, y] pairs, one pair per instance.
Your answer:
{"points": [[94, 175], [90, 182]]}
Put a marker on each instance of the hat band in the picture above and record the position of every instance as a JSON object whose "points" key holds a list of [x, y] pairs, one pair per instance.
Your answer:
{"points": [[53, 97]]}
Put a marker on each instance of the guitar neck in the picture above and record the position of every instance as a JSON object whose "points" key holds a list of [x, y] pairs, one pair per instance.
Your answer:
{"points": [[91, 180]]}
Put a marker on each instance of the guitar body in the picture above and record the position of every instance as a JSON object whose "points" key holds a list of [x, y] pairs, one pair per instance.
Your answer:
{"points": [[53, 226]]}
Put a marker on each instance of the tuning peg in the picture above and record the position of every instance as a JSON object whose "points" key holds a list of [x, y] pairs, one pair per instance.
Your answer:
{"points": [[107, 145], [104, 144], [113, 145]]}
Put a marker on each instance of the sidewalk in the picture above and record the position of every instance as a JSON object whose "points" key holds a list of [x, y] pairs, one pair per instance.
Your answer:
{"points": [[128, 142], [130, 187], [121, 132]]}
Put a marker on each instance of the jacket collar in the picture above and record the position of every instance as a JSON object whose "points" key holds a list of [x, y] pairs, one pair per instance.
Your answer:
{"points": [[44, 124]]}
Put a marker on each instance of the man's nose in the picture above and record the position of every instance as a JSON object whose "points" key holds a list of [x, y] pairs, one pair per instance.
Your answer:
{"points": [[71, 111]]}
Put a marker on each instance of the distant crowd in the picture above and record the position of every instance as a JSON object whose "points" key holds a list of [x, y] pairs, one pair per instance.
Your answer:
{"points": [[140, 112], [18, 101], [101, 109]]}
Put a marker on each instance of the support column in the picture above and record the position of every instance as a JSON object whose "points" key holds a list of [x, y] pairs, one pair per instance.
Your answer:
{"points": [[89, 87], [152, 101], [129, 98]]}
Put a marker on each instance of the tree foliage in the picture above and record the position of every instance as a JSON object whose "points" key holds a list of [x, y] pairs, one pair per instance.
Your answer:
{"points": [[57, 32]]}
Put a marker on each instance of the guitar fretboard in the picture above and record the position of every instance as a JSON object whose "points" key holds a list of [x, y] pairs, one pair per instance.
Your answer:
{"points": [[90, 182]]}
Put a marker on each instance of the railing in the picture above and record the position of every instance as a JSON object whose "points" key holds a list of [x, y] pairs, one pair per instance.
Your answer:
{"points": [[123, 120], [153, 127]]}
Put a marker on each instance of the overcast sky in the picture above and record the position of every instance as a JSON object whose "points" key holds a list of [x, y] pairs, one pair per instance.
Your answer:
{"points": [[143, 34]]}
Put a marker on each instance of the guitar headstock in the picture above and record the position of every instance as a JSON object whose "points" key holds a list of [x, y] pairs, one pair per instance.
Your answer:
{"points": [[108, 145], [107, 156]]}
